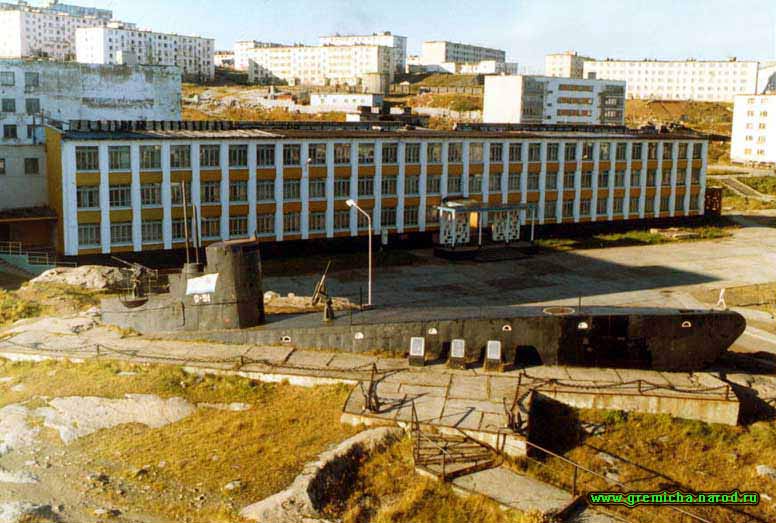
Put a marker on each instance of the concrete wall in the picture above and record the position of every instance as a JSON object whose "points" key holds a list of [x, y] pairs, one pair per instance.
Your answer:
{"points": [[17, 189], [73, 91]]}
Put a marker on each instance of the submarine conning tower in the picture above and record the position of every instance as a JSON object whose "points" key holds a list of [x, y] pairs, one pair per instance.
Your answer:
{"points": [[227, 294]]}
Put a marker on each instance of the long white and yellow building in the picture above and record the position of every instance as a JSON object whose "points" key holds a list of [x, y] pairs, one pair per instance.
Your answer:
{"points": [[116, 185]]}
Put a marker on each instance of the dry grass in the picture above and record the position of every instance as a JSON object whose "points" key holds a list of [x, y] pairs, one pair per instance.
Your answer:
{"points": [[35, 300], [454, 102], [387, 490], [630, 238], [252, 115]]}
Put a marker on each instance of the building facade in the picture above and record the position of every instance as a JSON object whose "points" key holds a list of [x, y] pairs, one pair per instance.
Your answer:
{"points": [[352, 65], [118, 43], [439, 52], [224, 59], [701, 80], [385, 38], [33, 92], [49, 31], [23, 181], [551, 100], [344, 102], [754, 129], [568, 64], [241, 52], [121, 190]]}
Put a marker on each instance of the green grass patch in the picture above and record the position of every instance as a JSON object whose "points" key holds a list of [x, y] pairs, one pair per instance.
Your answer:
{"points": [[763, 184], [451, 80], [733, 202], [13, 308], [630, 238]]}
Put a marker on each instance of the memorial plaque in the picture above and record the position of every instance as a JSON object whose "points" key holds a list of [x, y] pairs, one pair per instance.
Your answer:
{"points": [[457, 354], [493, 355], [417, 352]]}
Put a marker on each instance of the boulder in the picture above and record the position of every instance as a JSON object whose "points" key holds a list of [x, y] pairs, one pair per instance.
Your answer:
{"points": [[94, 277]]}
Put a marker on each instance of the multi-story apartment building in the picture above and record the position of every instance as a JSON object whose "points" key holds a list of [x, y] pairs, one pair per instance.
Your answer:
{"points": [[568, 64], [33, 92], [439, 52], [115, 42], [223, 58], [385, 38], [121, 189], [49, 31], [320, 65], [241, 52], [550, 100], [754, 129]]}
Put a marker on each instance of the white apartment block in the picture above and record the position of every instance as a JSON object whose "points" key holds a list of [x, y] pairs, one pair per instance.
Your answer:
{"points": [[345, 102], [439, 52], [35, 92], [568, 64], [115, 42], [353, 65], [385, 38], [754, 129], [28, 31], [483, 67], [223, 58], [242, 50], [552, 100]]}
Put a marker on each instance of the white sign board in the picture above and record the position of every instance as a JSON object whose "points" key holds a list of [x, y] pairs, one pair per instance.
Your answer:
{"points": [[494, 350], [202, 285], [417, 347], [458, 349]]}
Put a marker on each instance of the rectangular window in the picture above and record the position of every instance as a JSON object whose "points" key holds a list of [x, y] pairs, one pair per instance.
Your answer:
{"points": [[238, 226], [317, 152], [292, 155], [120, 196], [433, 184], [342, 188], [211, 192], [668, 150], [619, 179], [494, 183], [432, 216], [587, 179], [291, 190], [180, 156], [366, 186], [318, 221], [238, 156], [434, 153], [584, 207], [388, 217], [238, 191], [638, 150], [291, 222], [533, 181], [455, 152], [265, 224], [635, 178], [151, 194], [587, 151], [31, 80], [341, 153], [665, 204], [515, 152], [342, 220], [513, 182], [693, 204], [604, 151], [361, 222], [652, 178], [475, 183], [496, 153], [411, 185], [151, 231], [89, 235], [649, 204], [150, 156], [620, 154], [568, 208], [7, 79], [265, 155], [31, 166], [119, 158], [317, 188], [211, 227], [177, 193], [552, 152], [410, 216], [651, 151], [412, 153], [697, 151], [618, 205], [570, 152], [601, 205], [121, 233], [366, 153], [695, 177], [454, 185], [179, 230], [88, 197], [389, 186], [568, 181], [32, 105], [87, 159], [683, 151], [534, 152], [265, 190], [390, 153], [209, 156], [551, 181], [8, 105]]}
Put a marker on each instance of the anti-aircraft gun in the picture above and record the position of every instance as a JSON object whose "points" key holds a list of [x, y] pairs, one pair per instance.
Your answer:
{"points": [[320, 294]]}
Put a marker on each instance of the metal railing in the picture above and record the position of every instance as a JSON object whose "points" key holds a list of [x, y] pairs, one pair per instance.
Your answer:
{"points": [[16, 248]]}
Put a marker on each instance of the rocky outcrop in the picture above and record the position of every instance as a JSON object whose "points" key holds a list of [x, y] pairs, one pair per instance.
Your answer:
{"points": [[93, 277], [330, 475]]}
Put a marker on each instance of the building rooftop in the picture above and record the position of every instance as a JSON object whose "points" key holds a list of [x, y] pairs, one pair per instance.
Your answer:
{"points": [[280, 130]]}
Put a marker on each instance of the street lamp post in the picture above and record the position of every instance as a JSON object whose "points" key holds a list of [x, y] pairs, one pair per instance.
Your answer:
{"points": [[352, 203]]}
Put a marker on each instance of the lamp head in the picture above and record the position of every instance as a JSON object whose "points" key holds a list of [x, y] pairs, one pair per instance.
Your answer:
{"points": [[350, 203]]}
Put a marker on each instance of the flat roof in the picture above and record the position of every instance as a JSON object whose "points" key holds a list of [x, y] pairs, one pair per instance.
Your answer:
{"points": [[290, 130]]}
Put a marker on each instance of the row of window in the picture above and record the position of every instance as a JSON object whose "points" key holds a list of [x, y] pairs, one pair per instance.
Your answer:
{"points": [[11, 131], [88, 196], [31, 166], [87, 157], [8, 79], [151, 232], [31, 105]]}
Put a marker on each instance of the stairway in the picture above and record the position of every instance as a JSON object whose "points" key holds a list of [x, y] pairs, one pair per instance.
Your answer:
{"points": [[450, 456], [13, 270]]}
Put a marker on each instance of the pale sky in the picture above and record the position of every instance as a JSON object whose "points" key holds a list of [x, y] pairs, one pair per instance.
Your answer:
{"points": [[526, 29]]}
